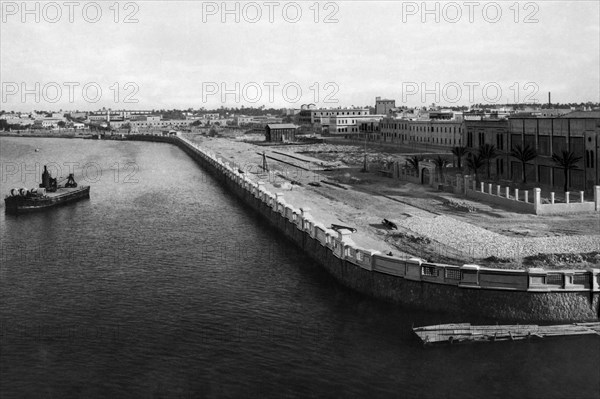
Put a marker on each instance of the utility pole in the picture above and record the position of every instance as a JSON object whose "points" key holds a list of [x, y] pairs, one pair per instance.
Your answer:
{"points": [[365, 158], [264, 165]]}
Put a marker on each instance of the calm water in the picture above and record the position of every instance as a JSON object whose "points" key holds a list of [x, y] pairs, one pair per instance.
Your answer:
{"points": [[164, 285]]}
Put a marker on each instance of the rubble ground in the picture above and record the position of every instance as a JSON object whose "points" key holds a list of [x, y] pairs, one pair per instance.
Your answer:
{"points": [[436, 226]]}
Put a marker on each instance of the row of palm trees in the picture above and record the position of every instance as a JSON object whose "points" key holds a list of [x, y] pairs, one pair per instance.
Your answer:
{"points": [[483, 156]]}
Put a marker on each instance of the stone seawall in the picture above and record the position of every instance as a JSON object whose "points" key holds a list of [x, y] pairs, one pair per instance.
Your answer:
{"points": [[493, 293]]}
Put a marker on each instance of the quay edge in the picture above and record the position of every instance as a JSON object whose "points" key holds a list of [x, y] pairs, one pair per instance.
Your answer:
{"points": [[491, 293]]}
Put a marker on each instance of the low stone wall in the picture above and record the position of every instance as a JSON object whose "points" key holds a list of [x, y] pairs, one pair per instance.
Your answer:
{"points": [[570, 208], [519, 206], [527, 201], [533, 295]]}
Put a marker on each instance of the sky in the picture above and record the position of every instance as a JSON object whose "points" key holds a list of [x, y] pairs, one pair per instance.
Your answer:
{"points": [[192, 54]]}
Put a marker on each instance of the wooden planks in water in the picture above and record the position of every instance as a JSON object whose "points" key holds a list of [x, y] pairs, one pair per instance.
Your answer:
{"points": [[465, 332]]}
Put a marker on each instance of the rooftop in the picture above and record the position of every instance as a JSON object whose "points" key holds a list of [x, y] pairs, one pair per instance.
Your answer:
{"points": [[282, 126], [582, 114]]}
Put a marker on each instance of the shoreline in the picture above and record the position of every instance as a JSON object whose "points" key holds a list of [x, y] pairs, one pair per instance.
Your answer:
{"points": [[468, 289], [359, 261], [425, 227], [46, 135]]}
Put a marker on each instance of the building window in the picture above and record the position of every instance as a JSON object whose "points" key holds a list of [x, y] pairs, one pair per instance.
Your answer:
{"points": [[559, 144], [499, 141], [589, 159], [500, 167], [544, 145]]}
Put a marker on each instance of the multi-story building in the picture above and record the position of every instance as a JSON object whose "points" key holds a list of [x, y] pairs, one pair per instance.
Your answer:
{"points": [[579, 134], [384, 106], [149, 122], [109, 116], [17, 119], [490, 131], [12, 118], [309, 115], [346, 125], [369, 128], [243, 120], [318, 114], [305, 114], [291, 111], [47, 123], [78, 115], [575, 132], [211, 116], [426, 133]]}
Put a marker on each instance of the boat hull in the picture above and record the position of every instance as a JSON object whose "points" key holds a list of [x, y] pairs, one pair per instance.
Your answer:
{"points": [[18, 204]]}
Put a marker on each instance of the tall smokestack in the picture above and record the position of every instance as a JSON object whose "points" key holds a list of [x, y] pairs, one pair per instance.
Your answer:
{"points": [[549, 99]]}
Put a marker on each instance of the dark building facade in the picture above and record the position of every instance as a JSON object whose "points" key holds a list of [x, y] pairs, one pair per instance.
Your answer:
{"points": [[555, 135], [493, 132], [548, 136]]}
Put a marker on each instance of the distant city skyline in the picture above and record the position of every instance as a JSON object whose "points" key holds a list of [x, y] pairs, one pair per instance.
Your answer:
{"points": [[180, 55], [595, 107]]}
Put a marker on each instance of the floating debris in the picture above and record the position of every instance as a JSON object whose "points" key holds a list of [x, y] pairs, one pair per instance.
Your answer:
{"points": [[466, 333]]}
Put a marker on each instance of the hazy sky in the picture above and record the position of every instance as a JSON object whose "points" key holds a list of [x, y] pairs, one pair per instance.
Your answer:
{"points": [[182, 54]]}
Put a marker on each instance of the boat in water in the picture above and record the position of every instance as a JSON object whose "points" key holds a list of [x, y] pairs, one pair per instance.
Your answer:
{"points": [[49, 194]]}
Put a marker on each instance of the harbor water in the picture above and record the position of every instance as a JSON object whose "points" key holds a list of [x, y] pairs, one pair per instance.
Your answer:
{"points": [[163, 284]]}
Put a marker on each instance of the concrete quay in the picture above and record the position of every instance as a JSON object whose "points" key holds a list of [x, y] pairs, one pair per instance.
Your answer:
{"points": [[532, 295]]}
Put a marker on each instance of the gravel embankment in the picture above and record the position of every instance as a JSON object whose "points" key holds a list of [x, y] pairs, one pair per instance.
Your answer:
{"points": [[478, 242]]}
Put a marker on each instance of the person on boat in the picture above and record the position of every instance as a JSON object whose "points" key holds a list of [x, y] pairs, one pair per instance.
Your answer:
{"points": [[45, 178]]}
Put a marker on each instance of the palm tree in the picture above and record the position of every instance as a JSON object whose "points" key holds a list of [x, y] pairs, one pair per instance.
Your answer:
{"points": [[459, 153], [474, 163], [414, 162], [440, 163], [523, 154], [567, 160], [487, 152]]}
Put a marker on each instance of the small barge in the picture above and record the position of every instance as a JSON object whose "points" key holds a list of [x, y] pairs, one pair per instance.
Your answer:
{"points": [[48, 194], [466, 333]]}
